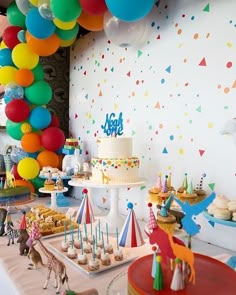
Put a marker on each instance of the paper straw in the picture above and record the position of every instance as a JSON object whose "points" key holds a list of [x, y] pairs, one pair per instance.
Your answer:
{"points": [[85, 231], [78, 232], [107, 233], [91, 225], [117, 239], [96, 237], [93, 248]]}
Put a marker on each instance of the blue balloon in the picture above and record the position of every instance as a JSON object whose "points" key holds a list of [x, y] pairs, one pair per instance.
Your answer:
{"points": [[38, 26], [5, 57], [33, 155], [13, 90], [130, 11], [40, 118]]}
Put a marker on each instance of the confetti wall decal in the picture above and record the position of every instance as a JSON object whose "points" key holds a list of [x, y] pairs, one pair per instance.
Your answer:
{"points": [[176, 93]]}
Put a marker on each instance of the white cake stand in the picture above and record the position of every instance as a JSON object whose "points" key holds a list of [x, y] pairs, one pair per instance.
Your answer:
{"points": [[113, 219], [53, 195]]}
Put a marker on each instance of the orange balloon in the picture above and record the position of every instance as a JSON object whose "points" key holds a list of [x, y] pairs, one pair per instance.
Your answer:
{"points": [[23, 182], [24, 77], [31, 142], [91, 22], [43, 47], [48, 158]]}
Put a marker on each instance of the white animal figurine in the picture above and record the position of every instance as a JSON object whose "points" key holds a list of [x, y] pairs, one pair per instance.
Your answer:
{"points": [[230, 128]]}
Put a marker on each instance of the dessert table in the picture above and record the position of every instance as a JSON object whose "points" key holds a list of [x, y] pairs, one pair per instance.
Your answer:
{"points": [[16, 279], [54, 194]]}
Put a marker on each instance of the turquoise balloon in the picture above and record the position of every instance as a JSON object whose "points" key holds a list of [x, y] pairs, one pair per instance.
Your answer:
{"points": [[40, 118], [21, 36], [15, 16], [68, 34], [129, 11], [38, 26], [66, 10], [5, 57], [38, 72], [39, 93], [14, 129]]}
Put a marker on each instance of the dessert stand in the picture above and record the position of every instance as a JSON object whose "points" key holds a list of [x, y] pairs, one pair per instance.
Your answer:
{"points": [[62, 201], [54, 194], [113, 219], [217, 220]]}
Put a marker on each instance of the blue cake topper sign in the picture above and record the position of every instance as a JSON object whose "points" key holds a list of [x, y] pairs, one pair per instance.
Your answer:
{"points": [[113, 126]]}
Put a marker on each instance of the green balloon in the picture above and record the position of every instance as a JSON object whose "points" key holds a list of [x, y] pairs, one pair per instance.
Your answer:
{"points": [[39, 93], [37, 182], [67, 34], [66, 10], [14, 129], [15, 16], [38, 72]]}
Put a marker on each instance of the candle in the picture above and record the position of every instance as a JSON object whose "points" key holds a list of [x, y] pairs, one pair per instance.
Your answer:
{"points": [[99, 230], [107, 233], [103, 243], [117, 238], [65, 231], [96, 237], [93, 248], [78, 232], [72, 232], [81, 244], [91, 225], [85, 231]]}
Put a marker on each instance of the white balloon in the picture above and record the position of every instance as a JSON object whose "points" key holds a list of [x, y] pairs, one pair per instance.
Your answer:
{"points": [[126, 34], [24, 6], [45, 9]]}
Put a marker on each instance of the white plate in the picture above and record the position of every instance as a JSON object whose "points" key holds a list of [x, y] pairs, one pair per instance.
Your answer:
{"points": [[127, 253]]}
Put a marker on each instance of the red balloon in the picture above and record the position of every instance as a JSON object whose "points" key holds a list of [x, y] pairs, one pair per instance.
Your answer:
{"points": [[15, 172], [94, 7], [54, 121], [9, 36], [52, 138], [17, 110]]}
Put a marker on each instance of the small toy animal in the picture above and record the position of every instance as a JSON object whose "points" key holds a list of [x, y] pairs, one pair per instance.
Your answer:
{"points": [[105, 178], [35, 257], [23, 238], [3, 215]]}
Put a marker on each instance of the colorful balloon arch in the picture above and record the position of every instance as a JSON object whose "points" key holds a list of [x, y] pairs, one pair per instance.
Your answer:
{"points": [[37, 29]]}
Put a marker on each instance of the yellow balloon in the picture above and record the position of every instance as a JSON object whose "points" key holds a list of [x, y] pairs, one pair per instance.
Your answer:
{"points": [[26, 127], [7, 75], [67, 43], [34, 2], [3, 45], [28, 168], [24, 57], [64, 25]]}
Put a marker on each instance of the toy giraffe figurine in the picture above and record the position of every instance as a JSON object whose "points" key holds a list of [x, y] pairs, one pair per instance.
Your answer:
{"points": [[55, 265], [105, 178]]}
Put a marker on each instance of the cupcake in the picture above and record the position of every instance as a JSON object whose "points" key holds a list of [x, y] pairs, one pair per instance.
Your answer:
{"points": [[93, 264], [87, 248], [82, 259], [105, 259], [118, 255], [108, 248], [49, 185], [165, 220], [161, 191], [64, 246], [71, 252], [199, 190]]}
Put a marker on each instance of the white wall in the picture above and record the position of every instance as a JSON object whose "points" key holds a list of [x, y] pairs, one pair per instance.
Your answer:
{"points": [[173, 105]]}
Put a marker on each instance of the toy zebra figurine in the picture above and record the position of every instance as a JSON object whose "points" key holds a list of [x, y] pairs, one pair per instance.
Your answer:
{"points": [[10, 232]]}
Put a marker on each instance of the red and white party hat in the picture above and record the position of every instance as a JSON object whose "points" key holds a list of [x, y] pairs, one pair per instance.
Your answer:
{"points": [[130, 235], [152, 222], [23, 222], [85, 210]]}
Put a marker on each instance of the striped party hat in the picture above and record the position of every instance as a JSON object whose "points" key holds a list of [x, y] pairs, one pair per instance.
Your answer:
{"points": [[152, 222], [130, 235], [85, 210]]}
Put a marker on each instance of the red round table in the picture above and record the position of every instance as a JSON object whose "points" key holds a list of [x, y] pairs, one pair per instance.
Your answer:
{"points": [[212, 277]]}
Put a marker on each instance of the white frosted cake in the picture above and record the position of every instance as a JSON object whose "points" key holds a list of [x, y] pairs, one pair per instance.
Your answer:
{"points": [[114, 163]]}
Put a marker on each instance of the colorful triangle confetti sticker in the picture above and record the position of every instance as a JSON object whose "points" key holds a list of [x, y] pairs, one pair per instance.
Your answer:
{"points": [[157, 106], [234, 84], [139, 53], [207, 8], [168, 70], [212, 223], [203, 62], [164, 151], [199, 109], [201, 152], [128, 74], [211, 186]]}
